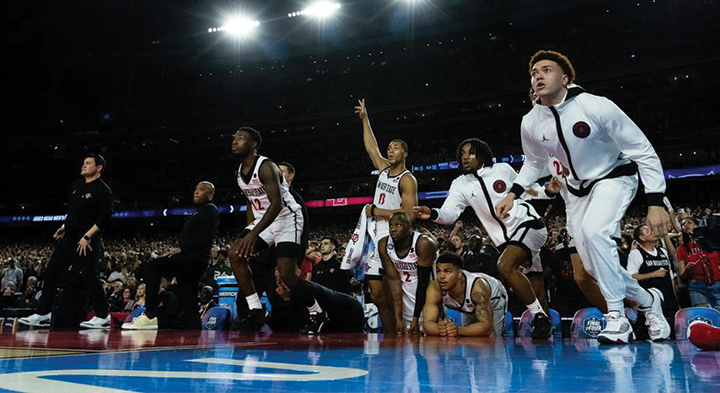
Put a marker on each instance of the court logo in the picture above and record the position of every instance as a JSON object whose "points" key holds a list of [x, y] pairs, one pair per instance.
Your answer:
{"points": [[499, 186], [592, 326], [581, 129], [701, 319]]}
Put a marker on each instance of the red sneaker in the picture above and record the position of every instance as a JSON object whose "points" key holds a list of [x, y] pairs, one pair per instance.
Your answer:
{"points": [[704, 336]]}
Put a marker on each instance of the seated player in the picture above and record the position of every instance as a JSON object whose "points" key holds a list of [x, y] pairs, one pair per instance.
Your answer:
{"points": [[481, 299], [407, 258]]}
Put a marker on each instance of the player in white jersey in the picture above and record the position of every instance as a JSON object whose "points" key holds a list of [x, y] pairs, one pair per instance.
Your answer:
{"points": [[521, 234], [407, 257], [587, 284], [273, 218], [396, 191], [603, 148], [481, 299]]}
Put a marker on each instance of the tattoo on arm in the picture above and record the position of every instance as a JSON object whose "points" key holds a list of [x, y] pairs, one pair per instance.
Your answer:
{"points": [[481, 298]]}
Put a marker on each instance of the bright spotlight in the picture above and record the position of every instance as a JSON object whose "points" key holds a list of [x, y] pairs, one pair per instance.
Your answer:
{"points": [[321, 9], [240, 27]]}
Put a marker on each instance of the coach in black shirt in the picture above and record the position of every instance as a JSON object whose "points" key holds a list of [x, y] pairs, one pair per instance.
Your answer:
{"points": [[327, 271], [187, 263], [90, 207]]}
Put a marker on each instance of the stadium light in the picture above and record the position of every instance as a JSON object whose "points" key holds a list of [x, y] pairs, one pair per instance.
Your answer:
{"points": [[240, 26], [320, 10]]}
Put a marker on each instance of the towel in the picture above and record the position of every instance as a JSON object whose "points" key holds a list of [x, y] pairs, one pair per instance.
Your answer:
{"points": [[358, 247]]}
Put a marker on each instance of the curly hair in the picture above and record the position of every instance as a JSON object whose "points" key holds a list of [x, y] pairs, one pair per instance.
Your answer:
{"points": [[558, 58]]}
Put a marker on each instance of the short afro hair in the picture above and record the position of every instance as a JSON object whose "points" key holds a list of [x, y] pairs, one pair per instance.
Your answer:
{"points": [[558, 58], [254, 135]]}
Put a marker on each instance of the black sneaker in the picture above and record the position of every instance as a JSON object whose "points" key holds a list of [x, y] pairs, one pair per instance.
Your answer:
{"points": [[640, 329], [541, 326], [316, 321], [252, 322]]}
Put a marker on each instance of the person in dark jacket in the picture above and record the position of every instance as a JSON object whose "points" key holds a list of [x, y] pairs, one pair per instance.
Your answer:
{"points": [[187, 262], [90, 207]]}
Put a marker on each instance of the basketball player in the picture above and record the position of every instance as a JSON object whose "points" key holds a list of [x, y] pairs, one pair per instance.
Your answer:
{"points": [[585, 282], [480, 298], [90, 207], [407, 258], [603, 150], [481, 185], [396, 191], [273, 218]]}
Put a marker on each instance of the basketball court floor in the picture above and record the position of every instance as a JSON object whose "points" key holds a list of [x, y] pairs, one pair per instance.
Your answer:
{"points": [[222, 361]]}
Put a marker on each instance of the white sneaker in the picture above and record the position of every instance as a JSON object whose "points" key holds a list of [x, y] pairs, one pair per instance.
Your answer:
{"points": [[658, 326], [96, 323], [36, 320], [141, 323], [617, 331]]}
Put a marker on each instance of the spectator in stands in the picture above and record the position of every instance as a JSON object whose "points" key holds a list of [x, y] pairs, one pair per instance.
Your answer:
{"points": [[115, 299], [312, 256], [128, 299], [327, 271], [700, 267], [139, 297], [11, 275], [652, 267]]}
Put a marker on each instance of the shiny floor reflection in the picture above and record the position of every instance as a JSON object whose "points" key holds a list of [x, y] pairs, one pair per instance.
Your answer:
{"points": [[113, 361]]}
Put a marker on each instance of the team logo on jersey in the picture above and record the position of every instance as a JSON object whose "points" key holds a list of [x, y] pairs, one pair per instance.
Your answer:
{"points": [[592, 326], [545, 139], [499, 186], [86, 196], [355, 238], [581, 129]]}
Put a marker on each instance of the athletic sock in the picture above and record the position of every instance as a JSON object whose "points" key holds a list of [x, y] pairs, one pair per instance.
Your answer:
{"points": [[616, 308], [535, 308], [315, 308], [253, 302]]}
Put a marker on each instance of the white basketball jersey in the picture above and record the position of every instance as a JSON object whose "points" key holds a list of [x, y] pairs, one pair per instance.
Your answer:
{"points": [[497, 291], [255, 192], [388, 197], [408, 268]]}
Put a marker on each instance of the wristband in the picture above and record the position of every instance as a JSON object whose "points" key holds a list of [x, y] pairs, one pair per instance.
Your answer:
{"points": [[372, 211], [86, 237]]}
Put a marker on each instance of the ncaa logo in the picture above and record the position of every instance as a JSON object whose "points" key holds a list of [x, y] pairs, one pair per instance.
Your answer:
{"points": [[592, 326], [701, 319], [390, 246], [499, 186], [211, 322]]}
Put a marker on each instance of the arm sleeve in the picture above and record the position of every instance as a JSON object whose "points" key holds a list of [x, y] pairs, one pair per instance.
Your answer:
{"points": [[420, 291], [536, 159], [452, 208], [634, 262], [106, 210], [632, 142]]}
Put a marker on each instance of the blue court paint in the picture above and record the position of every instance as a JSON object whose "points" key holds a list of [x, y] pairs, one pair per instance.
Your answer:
{"points": [[375, 364]]}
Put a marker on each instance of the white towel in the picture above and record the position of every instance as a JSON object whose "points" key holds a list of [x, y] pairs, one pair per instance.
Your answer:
{"points": [[357, 246]]}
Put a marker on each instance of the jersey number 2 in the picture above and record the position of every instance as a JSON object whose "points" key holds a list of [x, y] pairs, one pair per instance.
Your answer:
{"points": [[258, 205]]}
